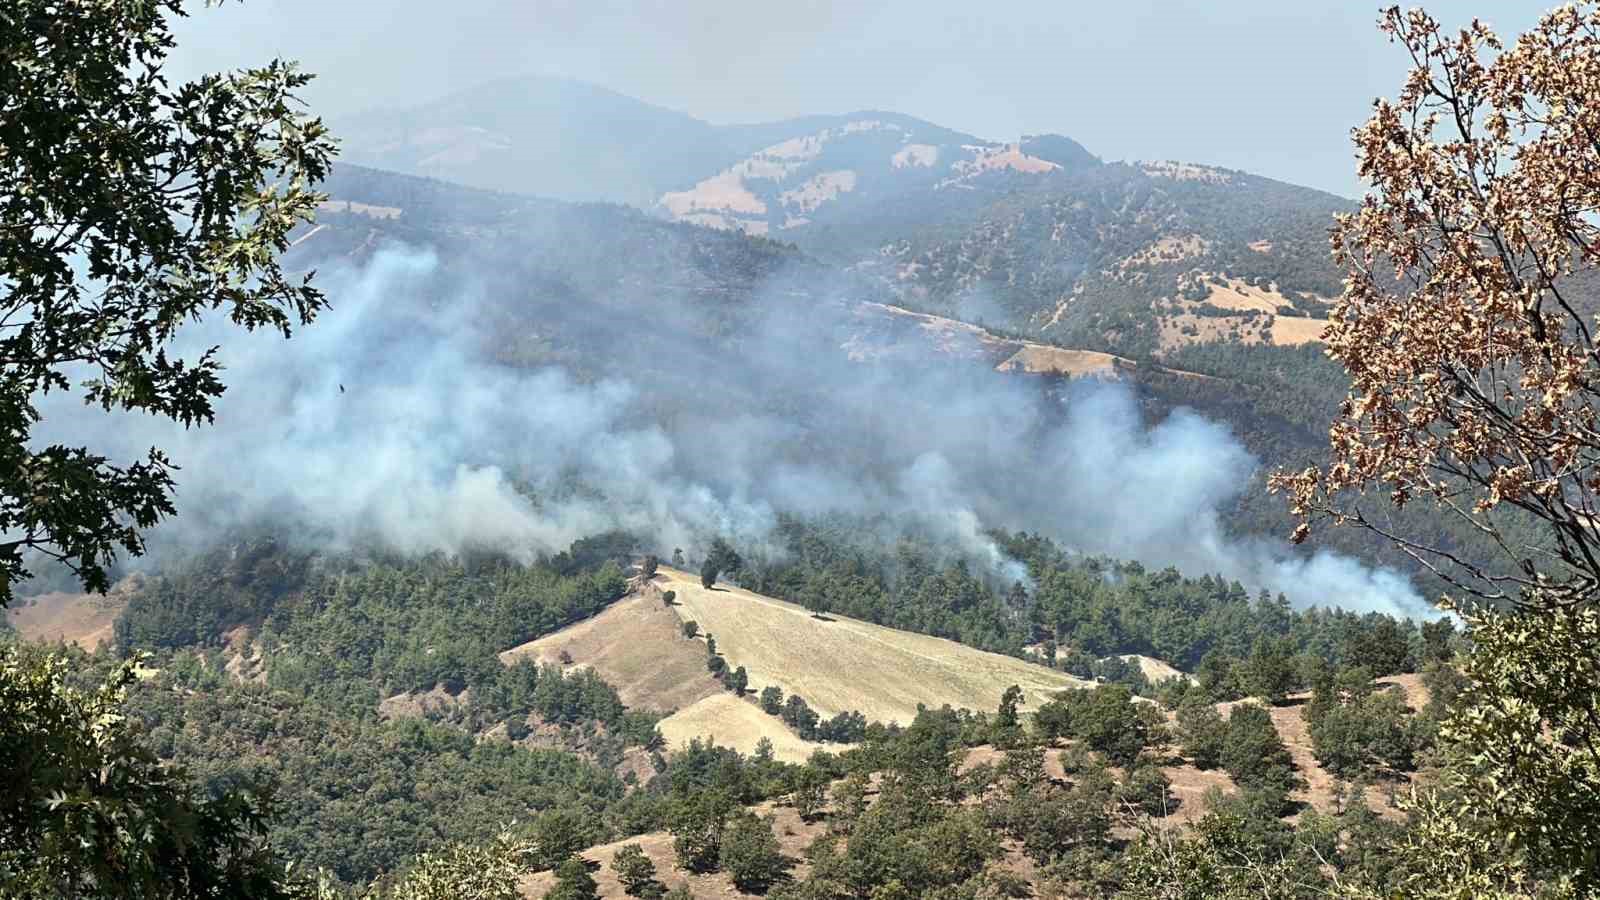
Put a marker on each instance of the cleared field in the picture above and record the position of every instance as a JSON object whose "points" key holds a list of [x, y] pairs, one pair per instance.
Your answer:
{"points": [[637, 646], [82, 619], [842, 664], [1291, 330], [728, 721], [1040, 359]]}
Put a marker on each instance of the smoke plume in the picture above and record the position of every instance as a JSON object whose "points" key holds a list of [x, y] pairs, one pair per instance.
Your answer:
{"points": [[388, 421]]}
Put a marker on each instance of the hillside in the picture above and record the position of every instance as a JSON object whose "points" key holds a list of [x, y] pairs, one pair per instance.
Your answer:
{"points": [[1190, 795], [547, 136], [839, 664], [1138, 259], [636, 645]]}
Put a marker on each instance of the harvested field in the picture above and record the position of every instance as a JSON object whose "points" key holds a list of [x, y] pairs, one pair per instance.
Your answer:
{"points": [[728, 721], [82, 619], [637, 646], [839, 664]]}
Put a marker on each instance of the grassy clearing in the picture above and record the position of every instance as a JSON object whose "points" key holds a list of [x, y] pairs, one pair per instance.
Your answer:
{"points": [[728, 721], [82, 619], [637, 646], [842, 664]]}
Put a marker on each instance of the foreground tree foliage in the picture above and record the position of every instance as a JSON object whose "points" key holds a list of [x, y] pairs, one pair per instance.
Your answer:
{"points": [[1466, 327], [130, 207], [458, 872], [1467, 315], [87, 811]]}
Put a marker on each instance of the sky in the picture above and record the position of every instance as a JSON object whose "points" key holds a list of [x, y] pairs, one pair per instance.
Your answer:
{"points": [[1266, 86]]}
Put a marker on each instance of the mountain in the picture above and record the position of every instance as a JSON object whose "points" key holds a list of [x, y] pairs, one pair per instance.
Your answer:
{"points": [[824, 180], [545, 136], [718, 326], [1036, 236], [1139, 259], [574, 141]]}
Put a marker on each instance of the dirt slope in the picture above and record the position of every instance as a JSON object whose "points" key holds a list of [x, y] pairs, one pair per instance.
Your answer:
{"points": [[794, 835], [841, 664], [82, 619]]}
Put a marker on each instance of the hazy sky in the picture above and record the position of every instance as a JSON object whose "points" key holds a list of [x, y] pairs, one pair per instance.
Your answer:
{"points": [[1268, 86]]}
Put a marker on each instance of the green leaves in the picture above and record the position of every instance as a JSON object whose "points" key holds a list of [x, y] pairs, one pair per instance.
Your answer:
{"points": [[86, 810], [131, 208]]}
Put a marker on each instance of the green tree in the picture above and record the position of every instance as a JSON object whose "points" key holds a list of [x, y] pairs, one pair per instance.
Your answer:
{"points": [[573, 881], [1148, 790], [696, 825], [558, 834], [1216, 861], [87, 810], [772, 700], [810, 792], [635, 872], [132, 205], [690, 629], [1007, 727], [738, 680], [709, 571], [1253, 753], [1269, 671], [750, 853], [1201, 731]]}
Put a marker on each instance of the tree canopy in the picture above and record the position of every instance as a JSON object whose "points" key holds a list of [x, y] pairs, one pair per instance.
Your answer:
{"points": [[130, 207]]}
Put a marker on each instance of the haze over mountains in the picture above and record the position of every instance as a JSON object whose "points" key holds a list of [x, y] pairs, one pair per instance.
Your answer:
{"points": [[1011, 231], [734, 379]]}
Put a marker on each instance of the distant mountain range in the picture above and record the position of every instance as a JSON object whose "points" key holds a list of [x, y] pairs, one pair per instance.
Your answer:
{"points": [[1037, 236]]}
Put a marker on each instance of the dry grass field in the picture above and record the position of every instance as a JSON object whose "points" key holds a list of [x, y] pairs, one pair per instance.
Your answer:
{"points": [[1041, 359], [82, 619], [637, 646], [839, 664], [729, 721]]}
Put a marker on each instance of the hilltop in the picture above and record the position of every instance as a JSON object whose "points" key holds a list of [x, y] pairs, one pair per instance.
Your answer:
{"points": [[839, 664], [836, 664]]}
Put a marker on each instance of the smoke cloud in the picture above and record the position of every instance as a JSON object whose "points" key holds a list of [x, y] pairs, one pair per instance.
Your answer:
{"points": [[386, 421]]}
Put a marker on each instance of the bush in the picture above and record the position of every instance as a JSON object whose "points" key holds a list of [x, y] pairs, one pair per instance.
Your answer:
{"points": [[750, 853], [772, 700], [634, 870], [1253, 753]]}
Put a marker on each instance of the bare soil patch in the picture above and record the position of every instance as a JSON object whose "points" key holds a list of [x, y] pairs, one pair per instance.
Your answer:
{"points": [[83, 619]]}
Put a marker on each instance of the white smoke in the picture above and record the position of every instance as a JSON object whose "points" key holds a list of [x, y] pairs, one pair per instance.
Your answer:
{"points": [[385, 421]]}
